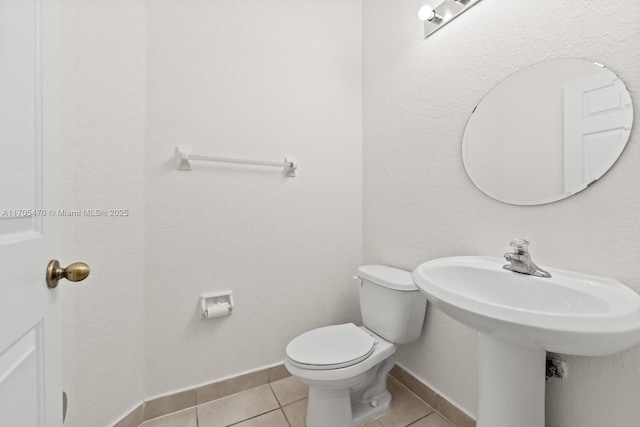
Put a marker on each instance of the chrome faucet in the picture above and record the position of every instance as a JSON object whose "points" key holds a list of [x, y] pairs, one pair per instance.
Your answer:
{"points": [[521, 261]]}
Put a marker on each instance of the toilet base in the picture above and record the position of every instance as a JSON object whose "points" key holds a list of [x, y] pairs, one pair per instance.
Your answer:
{"points": [[351, 405], [362, 412], [332, 408]]}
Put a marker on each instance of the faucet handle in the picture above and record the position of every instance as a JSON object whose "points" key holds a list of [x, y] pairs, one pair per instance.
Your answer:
{"points": [[520, 245]]}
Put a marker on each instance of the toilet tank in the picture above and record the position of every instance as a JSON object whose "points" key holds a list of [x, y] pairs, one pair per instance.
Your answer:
{"points": [[391, 304]]}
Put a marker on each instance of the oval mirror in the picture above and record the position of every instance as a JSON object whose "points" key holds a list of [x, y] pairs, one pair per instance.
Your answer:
{"points": [[547, 131]]}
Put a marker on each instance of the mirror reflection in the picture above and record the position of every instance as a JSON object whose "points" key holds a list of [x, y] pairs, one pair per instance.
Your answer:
{"points": [[547, 131]]}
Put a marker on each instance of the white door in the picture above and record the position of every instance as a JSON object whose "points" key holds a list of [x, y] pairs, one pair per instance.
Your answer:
{"points": [[30, 368], [597, 123]]}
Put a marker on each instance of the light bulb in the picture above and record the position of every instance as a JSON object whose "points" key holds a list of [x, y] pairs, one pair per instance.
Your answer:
{"points": [[426, 13]]}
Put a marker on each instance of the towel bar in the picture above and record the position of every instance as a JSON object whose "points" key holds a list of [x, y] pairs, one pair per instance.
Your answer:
{"points": [[184, 157]]}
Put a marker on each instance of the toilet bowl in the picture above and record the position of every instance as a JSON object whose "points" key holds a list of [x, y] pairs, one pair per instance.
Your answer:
{"points": [[346, 366], [348, 387]]}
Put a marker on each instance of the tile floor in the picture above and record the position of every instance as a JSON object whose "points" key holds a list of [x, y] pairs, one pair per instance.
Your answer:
{"points": [[283, 404]]}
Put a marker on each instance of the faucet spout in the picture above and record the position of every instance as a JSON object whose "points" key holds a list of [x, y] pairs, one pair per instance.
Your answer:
{"points": [[520, 260]]}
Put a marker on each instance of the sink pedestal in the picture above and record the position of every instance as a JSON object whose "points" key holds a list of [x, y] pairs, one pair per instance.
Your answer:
{"points": [[518, 317], [511, 384]]}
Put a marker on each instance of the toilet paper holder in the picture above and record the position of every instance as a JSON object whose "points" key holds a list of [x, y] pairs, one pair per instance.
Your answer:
{"points": [[216, 304]]}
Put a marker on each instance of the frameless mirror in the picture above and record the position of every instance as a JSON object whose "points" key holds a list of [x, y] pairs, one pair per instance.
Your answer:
{"points": [[547, 131]]}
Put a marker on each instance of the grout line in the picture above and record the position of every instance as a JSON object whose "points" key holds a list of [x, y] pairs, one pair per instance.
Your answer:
{"points": [[430, 414], [285, 417], [435, 411], [246, 419], [275, 395], [419, 419], [295, 401], [256, 416]]}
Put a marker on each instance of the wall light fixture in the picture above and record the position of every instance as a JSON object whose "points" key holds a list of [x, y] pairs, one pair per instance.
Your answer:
{"points": [[426, 13], [438, 13]]}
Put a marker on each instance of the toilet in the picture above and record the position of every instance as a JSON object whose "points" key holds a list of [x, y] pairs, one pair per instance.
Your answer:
{"points": [[346, 366]]}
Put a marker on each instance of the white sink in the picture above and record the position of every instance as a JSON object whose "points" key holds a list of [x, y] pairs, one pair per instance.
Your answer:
{"points": [[568, 313], [520, 317]]}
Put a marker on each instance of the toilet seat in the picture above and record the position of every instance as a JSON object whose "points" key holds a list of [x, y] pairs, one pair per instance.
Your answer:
{"points": [[330, 347]]}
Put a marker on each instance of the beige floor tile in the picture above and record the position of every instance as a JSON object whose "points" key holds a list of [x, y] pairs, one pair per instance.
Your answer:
{"points": [[296, 413], [237, 407], [406, 408], [433, 420], [424, 392], [271, 419], [374, 423], [290, 390], [169, 404], [184, 418]]}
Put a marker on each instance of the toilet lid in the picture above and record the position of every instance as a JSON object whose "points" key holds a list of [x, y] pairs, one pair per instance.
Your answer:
{"points": [[330, 347]]}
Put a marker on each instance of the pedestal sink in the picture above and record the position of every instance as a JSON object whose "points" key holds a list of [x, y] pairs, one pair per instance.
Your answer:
{"points": [[519, 318]]}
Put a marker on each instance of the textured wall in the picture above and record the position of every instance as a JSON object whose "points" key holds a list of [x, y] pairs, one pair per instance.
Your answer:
{"points": [[257, 80], [419, 203], [236, 79], [103, 117]]}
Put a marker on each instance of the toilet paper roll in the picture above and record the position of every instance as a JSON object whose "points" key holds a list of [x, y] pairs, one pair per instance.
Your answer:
{"points": [[214, 310]]}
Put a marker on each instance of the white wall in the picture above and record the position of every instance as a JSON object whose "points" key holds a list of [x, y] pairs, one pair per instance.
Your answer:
{"points": [[419, 203], [103, 128], [258, 80], [239, 79]]}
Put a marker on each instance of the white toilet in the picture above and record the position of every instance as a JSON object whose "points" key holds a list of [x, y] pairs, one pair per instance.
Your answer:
{"points": [[346, 366]]}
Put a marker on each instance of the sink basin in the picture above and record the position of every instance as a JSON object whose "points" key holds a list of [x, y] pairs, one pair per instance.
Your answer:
{"points": [[568, 313], [519, 318]]}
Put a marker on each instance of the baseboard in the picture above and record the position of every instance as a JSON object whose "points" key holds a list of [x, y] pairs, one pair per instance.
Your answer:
{"points": [[437, 401], [163, 405], [173, 402]]}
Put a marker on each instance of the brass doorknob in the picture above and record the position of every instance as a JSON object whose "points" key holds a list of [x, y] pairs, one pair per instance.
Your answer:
{"points": [[75, 272]]}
